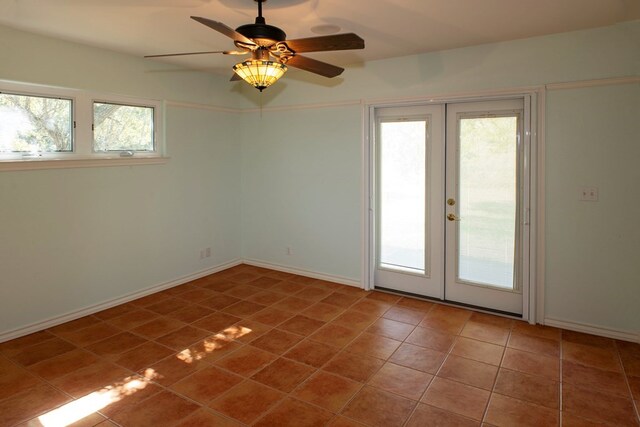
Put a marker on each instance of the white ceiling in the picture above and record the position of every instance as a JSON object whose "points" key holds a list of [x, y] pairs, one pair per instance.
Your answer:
{"points": [[389, 27]]}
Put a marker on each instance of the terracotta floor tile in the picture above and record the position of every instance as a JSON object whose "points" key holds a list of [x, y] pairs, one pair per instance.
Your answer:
{"points": [[415, 304], [595, 379], [478, 350], [373, 345], [531, 363], [15, 381], [206, 384], [340, 299], [426, 415], [634, 385], [93, 377], [244, 308], [323, 312], [277, 341], [30, 403], [209, 350], [183, 337], [422, 359], [116, 344], [180, 289], [265, 282], [379, 408], [246, 330], [246, 361], [91, 420], [15, 346], [293, 413], [247, 401], [196, 295], [534, 344], [470, 372], [370, 306], [266, 297], [595, 357], [158, 327], [314, 293], [405, 315], [354, 319], [143, 356], [628, 349], [243, 277], [149, 300], [391, 329], [302, 280], [493, 320], [243, 291], [431, 338], [204, 418], [458, 398], [334, 335], [75, 325], [446, 319], [283, 374], [168, 305], [91, 334], [301, 325], [293, 304], [535, 389], [116, 311], [587, 339], [485, 332], [631, 365], [537, 330], [190, 313], [571, 420], [340, 421], [311, 353], [287, 287], [329, 391], [164, 408], [357, 367], [172, 369], [272, 316], [64, 364], [506, 411], [132, 319], [219, 301], [216, 322], [400, 380], [219, 285], [132, 396], [43, 351], [383, 296]]}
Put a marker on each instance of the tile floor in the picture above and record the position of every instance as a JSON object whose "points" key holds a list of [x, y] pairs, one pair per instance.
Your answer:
{"points": [[249, 346]]}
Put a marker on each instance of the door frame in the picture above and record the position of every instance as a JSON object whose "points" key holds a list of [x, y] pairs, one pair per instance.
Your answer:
{"points": [[532, 291]]}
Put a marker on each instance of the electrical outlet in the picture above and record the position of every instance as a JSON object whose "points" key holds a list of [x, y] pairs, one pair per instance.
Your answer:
{"points": [[289, 250], [589, 194]]}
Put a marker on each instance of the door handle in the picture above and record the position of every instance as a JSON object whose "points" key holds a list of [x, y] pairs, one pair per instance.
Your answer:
{"points": [[452, 217]]}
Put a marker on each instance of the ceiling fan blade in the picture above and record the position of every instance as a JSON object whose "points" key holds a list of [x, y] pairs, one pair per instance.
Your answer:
{"points": [[314, 66], [224, 52], [235, 78], [346, 41], [221, 28]]}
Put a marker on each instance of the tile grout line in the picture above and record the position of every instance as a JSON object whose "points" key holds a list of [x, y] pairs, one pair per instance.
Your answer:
{"points": [[495, 380], [626, 380]]}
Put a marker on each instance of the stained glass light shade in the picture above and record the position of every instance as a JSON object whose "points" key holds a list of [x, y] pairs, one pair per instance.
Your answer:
{"points": [[259, 73]]}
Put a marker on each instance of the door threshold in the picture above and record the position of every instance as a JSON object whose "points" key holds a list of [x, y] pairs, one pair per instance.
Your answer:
{"points": [[451, 303]]}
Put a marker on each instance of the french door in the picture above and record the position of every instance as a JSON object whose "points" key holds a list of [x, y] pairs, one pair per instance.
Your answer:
{"points": [[450, 196]]}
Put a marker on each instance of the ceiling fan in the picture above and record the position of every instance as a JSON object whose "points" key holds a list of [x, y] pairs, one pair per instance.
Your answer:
{"points": [[271, 52]]}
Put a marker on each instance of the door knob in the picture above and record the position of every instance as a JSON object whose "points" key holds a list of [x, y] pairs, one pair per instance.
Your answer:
{"points": [[452, 217]]}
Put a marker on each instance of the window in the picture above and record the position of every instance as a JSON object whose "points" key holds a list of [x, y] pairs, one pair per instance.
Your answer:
{"points": [[35, 124], [41, 123], [119, 127]]}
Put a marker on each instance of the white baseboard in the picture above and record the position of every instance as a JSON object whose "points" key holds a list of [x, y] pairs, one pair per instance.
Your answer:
{"points": [[76, 314], [301, 272], [592, 329]]}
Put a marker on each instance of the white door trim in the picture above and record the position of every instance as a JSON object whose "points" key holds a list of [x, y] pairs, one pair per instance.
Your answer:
{"points": [[533, 309]]}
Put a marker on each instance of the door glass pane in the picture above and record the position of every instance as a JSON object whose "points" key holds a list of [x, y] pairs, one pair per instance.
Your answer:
{"points": [[487, 200], [402, 195]]}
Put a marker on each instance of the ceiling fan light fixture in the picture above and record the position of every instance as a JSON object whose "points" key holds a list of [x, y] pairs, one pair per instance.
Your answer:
{"points": [[260, 73]]}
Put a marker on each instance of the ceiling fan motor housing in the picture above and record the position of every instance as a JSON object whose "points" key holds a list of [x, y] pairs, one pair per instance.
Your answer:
{"points": [[262, 33]]}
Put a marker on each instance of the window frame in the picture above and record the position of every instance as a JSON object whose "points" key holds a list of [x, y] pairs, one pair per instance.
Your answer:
{"points": [[83, 153]]}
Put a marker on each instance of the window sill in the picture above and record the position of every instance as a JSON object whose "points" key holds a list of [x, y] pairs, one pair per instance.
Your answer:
{"points": [[35, 164]]}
